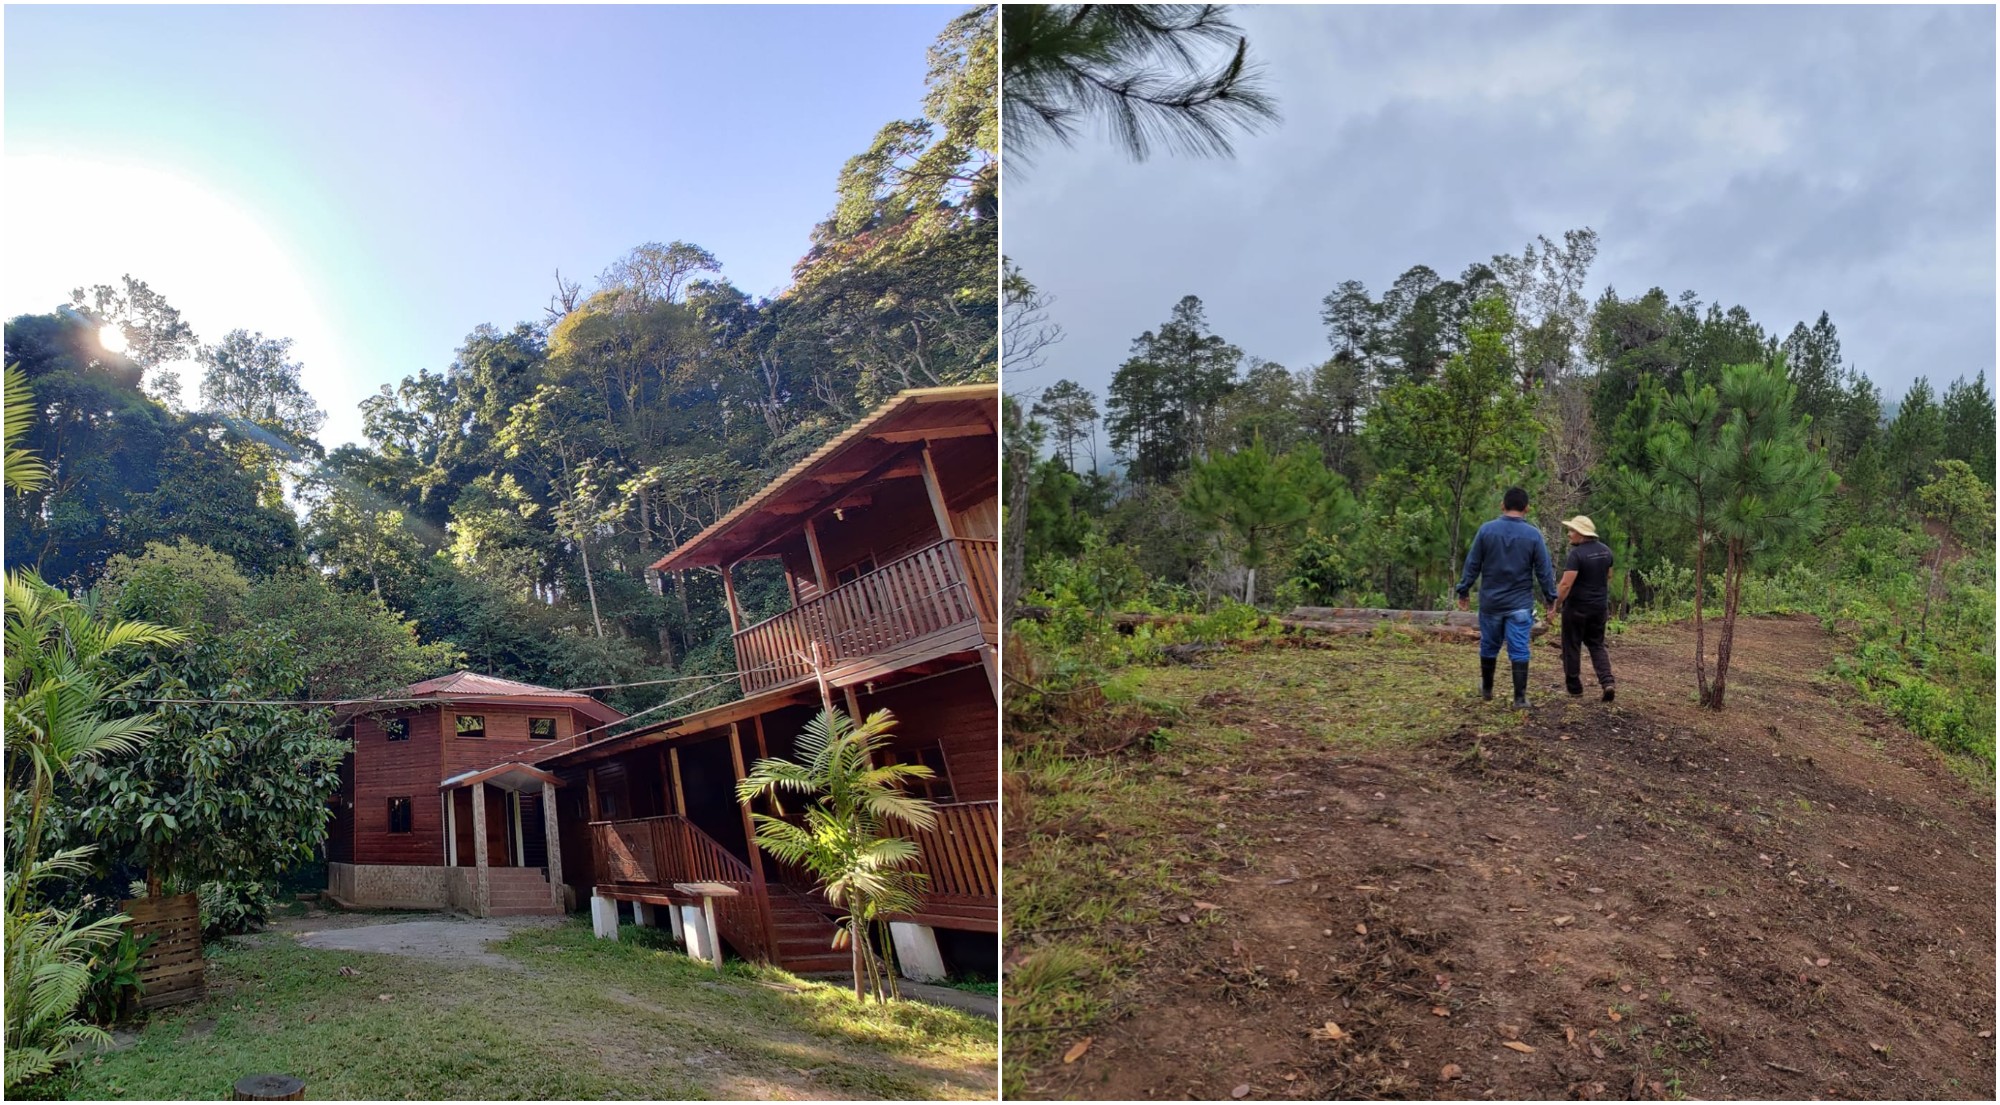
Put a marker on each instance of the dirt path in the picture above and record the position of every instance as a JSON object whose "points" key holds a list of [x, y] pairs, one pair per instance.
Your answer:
{"points": [[1792, 899], [442, 939]]}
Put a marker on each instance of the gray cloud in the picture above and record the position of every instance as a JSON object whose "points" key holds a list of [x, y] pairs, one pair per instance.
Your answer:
{"points": [[1791, 160]]}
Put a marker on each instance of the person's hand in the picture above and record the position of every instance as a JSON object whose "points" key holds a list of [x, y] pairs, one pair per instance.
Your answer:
{"points": [[1464, 603]]}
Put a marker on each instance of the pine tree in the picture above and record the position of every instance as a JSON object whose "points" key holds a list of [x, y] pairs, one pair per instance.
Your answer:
{"points": [[1258, 499]]}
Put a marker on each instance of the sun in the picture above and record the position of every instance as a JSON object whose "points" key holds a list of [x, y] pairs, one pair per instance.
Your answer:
{"points": [[112, 337]]}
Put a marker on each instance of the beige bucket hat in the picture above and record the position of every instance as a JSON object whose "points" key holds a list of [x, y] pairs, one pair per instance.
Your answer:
{"points": [[1583, 525]]}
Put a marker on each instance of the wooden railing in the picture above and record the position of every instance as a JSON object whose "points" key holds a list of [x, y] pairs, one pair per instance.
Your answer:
{"points": [[961, 853], [661, 851], [919, 594]]}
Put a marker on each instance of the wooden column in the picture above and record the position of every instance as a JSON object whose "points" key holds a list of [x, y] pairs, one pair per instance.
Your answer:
{"points": [[666, 781], [552, 830], [729, 596], [991, 659], [451, 828], [680, 796], [482, 900], [590, 791], [520, 832], [812, 548], [945, 532], [750, 845]]}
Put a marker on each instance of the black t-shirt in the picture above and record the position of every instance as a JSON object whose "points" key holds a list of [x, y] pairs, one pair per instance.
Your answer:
{"points": [[1591, 561]]}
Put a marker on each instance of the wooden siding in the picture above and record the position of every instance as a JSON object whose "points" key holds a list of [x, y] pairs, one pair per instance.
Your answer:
{"points": [[384, 769], [957, 712]]}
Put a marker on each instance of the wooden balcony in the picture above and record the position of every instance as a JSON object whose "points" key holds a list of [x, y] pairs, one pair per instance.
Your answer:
{"points": [[938, 599], [657, 852], [961, 856]]}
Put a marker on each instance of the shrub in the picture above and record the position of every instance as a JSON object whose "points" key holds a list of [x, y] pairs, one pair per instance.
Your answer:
{"points": [[232, 908]]}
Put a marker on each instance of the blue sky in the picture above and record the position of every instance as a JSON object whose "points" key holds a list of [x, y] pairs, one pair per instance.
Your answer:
{"points": [[376, 181]]}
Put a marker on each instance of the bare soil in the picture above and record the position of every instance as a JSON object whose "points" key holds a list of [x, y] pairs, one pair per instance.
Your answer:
{"points": [[1792, 898]]}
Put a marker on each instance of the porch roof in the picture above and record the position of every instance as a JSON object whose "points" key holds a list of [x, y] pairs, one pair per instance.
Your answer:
{"points": [[815, 483], [508, 776]]}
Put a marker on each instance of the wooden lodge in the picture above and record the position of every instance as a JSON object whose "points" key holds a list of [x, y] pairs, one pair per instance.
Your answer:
{"points": [[887, 537], [437, 807]]}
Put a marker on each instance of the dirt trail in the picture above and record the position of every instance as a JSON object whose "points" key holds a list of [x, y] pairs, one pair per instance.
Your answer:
{"points": [[1792, 899]]}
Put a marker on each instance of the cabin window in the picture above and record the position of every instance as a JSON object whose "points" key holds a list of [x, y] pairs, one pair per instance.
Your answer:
{"points": [[542, 728], [396, 728], [399, 815], [471, 725]]}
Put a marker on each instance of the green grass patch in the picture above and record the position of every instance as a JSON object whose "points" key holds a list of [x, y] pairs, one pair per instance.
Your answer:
{"points": [[579, 1018]]}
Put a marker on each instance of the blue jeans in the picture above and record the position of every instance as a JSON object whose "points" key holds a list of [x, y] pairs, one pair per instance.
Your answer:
{"points": [[1516, 624]]}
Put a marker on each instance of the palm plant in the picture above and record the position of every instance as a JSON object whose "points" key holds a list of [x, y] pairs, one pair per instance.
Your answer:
{"points": [[846, 836], [49, 954], [24, 470], [57, 661]]}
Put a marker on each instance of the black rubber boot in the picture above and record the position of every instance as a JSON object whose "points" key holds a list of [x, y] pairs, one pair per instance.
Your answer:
{"points": [[1610, 695], [1486, 666], [1520, 684]]}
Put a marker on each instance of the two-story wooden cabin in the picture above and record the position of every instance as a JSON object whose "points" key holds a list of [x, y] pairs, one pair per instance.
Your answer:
{"points": [[888, 539], [438, 807]]}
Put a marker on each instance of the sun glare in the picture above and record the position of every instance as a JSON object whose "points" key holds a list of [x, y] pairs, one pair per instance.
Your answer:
{"points": [[112, 338]]}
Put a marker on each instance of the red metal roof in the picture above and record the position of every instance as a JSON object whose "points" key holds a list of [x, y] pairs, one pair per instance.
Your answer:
{"points": [[466, 686]]}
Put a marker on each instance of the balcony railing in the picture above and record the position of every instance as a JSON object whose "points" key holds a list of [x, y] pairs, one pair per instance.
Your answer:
{"points": [[961, 852], [951, 584], [661, 851]]}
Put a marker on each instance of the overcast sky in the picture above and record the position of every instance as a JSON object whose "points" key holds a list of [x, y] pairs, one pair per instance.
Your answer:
{"points": [[1791, 160]]}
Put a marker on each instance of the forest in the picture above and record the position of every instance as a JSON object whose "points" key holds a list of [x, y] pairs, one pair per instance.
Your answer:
{"points": [[189, 585], [1754, 470]]}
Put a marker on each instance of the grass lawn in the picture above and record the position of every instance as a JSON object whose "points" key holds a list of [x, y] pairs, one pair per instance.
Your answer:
{"points": [[580, 1018]]}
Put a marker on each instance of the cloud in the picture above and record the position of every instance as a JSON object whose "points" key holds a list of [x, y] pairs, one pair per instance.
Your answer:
{"points": [[1791, 160]]}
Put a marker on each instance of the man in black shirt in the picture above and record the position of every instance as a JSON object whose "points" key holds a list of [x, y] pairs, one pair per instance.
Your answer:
{"points": [[1584, 599]]}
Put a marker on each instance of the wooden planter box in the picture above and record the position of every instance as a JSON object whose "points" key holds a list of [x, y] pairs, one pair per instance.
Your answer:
{"points": [[171, 967]]}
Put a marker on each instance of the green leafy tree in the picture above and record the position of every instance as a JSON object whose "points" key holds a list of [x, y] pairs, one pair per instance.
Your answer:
{"points": [[1469, 423], [1162, 406], [1069, 411], [846, 834], [1141, 71], [24, 470], [1968, 425], [1954, 497], [1915, 436]]}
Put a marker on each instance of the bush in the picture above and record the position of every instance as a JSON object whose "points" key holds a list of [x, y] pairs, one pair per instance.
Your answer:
{"points": [[232, 908]]}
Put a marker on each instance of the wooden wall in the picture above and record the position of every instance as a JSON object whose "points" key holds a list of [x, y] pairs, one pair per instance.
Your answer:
{"points": [[413, 768], [957, 712]]}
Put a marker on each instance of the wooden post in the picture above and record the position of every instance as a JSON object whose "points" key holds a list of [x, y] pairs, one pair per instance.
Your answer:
{"points": [[992, 661], [666, 781], [268, 1087], [680, 796], [551, 829], [945, 533], [853, 703], [812, 547], [520, 835], [729, 596], [451, 828], [756, 854], [590, 790], [483, 888]]}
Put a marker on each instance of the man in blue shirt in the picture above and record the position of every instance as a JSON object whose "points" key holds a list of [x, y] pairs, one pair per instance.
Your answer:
{"points": [[1508, 558]]}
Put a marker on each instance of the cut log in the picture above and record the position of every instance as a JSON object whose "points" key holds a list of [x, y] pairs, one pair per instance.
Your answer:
{"points": [[269, 1087]]}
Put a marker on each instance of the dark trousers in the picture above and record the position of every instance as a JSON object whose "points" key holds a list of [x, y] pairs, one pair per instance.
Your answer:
{"points": [[1585, 629]]}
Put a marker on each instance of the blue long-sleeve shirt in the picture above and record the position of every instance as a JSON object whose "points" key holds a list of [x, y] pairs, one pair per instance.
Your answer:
{"points": [[1508, 558]]}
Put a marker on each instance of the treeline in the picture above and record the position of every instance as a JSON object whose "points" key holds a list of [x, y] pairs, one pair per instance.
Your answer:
{"points": [[1435, 396], [505, 507], [1722, 462]]}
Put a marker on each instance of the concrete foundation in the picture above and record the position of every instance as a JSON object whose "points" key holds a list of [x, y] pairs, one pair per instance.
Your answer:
{"points": [[680, 928], [604, 917], [645, 913], [694, 932], [383, 886], [917, 955]]}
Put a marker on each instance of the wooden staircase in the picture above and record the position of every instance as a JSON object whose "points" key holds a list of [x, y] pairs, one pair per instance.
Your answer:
{"points": [[804, 932]]}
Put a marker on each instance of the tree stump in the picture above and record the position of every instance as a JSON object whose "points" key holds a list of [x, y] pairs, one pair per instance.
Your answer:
{"points": [[269, 1087]]}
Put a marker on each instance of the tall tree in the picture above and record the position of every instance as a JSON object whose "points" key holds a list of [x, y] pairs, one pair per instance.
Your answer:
{"points": [[1915, 436], [1069, 411], [1163, 400], [1968, 425], [1258, 500], [1141, 71]]}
